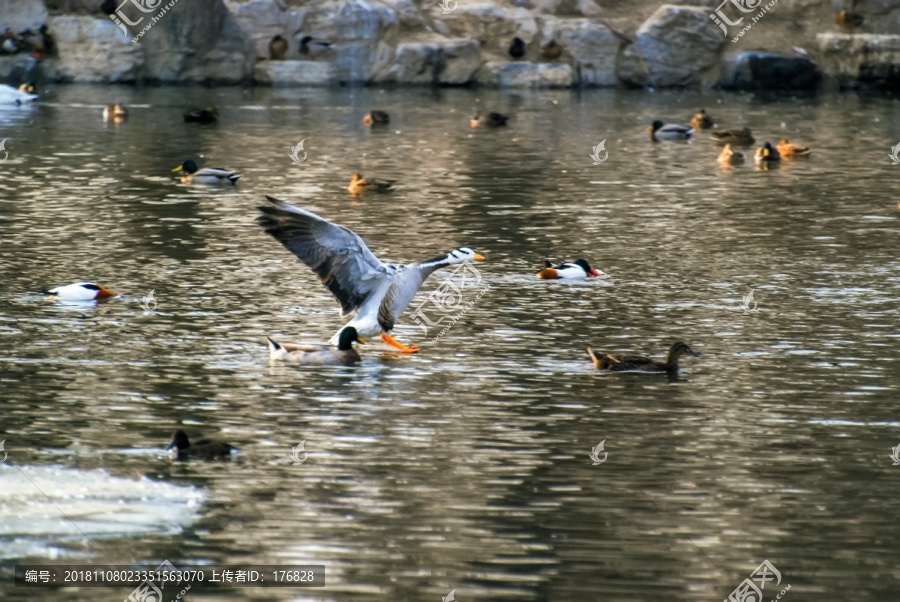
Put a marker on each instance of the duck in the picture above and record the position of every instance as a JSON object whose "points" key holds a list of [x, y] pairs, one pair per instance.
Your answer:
{"points": [[115, 113], [378, 292], [47, 46], [671, 131], [278, 48], [849, 21], [10, 43], [619, 363], [552, 50], [10, 95], [311, 45], [80, 291], [729, 157], [205, 116], [359, 184], [767, 155], [734, 137], [344, 353], [579, 268], [789, 150], [207, 175], [702, 121], [491, 120], [181, 448], [376, 118], [517, 48]]}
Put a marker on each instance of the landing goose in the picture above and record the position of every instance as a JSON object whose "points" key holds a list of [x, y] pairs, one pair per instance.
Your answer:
{"points": [[359, 281]]}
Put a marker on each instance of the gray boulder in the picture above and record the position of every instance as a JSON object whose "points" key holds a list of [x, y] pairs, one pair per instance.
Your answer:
{"points": [[861, 59], [93, 50], [760, 71], [436, 60], [590, 48]]}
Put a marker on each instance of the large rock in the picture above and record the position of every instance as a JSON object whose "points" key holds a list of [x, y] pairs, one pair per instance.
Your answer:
{"points": [[292, 73], [589, 47], [22, 14], [492, 25], [407, 13], [861, 59], [676, 47], [434, 61], [569, 8], [525, 75], [193, 41], [94, 50], [262, 20], [759, 71]]}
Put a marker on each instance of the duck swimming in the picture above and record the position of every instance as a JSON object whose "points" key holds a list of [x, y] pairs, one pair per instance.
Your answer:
{"points": [[9, 95], [661, 131], [789, 150], [207, 175], [849, 21], [576, 269], [359, 184], [80, 291], [344, 353], [204, 449], [517, 48], [620, 363], [204, 116], [729, 156], [702, 121], [359, 281], [736, 137], [115, 113], [376, 118], [766, 154], [492, 120]]}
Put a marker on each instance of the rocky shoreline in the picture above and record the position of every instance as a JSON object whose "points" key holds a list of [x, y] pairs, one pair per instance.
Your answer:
{"points": [[782, 44]]}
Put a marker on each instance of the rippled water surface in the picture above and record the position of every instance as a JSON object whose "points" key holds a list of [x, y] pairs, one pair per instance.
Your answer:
{"points": [[467, 465]]}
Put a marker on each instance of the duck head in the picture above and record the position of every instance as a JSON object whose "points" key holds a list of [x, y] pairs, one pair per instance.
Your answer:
{"points": [[461, 255], [179, 442], [188, 166], [347, 337], [655, 126], [767, 150], [584, 265], [678, 349]]}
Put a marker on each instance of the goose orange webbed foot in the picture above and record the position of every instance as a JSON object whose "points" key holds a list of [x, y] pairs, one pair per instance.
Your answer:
{"points": [[393, 343]]}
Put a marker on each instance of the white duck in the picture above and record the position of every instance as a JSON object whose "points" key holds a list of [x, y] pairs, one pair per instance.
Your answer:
{"points": [[378, 292], [80, 291], [9, 95], [579, 268]]}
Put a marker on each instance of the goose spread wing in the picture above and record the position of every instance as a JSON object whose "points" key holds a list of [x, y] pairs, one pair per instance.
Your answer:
{"points": [[340, 258], [405, 285]]}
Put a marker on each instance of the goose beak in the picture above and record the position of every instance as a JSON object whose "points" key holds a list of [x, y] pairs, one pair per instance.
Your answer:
{"points": [[179, 168], [479, 257]]}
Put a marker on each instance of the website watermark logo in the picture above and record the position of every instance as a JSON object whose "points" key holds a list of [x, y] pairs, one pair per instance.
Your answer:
{"points": [[148, 303], [595, 453], [895, 454], [751, 588], [449, 597], [4, 451], [749, 303], [745, 7], [295, 153], [6, 152], [295, 454], [595, 156], [895, 150], [447, 7], [145, 6], [449, 297]]}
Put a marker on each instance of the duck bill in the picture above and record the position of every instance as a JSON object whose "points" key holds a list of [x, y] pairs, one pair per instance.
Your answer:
{"points": [[478, 257], [360, 341], [179, 168], [105, 292], [596, 272], [694, 353]]}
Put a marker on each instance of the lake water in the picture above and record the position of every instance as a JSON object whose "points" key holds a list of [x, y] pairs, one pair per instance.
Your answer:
{"points": [[466, 466]]}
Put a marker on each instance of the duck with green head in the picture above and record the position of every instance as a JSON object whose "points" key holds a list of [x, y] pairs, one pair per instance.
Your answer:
{"points": [[639, 363], [207, 175], [767, 155], [318, 354], [669, 131]]}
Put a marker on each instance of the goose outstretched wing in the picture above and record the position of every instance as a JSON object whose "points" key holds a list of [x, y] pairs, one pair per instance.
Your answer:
{"points": [[340, 258]]}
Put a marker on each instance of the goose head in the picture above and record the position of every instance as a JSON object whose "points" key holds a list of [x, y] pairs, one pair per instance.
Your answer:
{"points": [[462, 255]]}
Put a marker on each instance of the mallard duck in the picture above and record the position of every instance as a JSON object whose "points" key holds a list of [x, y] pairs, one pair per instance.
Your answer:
{"points": [[344, 353], [115, 113], [789, 150], [359, 184], [47, 45], [576, 269], [661, 131], [359, 281], [619, 363], [278, 48], [491, 120], [207, 115], [310, 45], [702, 121], [181, 448], [9, 95], [767, 154], [207, 175], [734, 137], [80, 291], [517, 48], [730, 157], [376, 118], [849, 21], [552, 50]]}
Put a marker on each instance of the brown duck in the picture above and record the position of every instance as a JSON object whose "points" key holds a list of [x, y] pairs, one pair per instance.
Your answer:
{"points": [[702, 121], [789, 150], [849, 21], [376, 118], [735, 137], [359, 184], [278, 48], [620, 363]]}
